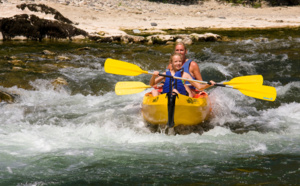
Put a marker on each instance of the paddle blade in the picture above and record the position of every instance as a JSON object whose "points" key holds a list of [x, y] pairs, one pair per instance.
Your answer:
{"points": [[130, 87], [252, 79], [113, 66], [263, 92]]}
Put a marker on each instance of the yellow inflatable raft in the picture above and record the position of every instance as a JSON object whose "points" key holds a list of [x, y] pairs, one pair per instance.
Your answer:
{"points": [[188, 111]]}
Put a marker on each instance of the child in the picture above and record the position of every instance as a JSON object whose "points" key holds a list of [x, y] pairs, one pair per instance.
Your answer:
{"points": [[178, 85]]}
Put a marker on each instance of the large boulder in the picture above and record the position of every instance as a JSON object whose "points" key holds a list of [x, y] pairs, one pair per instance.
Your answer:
{"points": [[45, 9], [32, 27]]}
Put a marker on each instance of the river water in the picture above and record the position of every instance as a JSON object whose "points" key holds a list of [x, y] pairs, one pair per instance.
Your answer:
{"points": [[84, 134]]}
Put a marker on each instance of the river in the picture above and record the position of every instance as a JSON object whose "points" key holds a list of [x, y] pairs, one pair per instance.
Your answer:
{"points": [[84, 134]]}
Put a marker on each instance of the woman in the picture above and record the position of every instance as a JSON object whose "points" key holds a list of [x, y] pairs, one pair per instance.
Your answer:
{"points": [[189, 66]]}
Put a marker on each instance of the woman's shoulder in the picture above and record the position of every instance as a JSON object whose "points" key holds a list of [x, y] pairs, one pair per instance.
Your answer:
{"points": [[194, 64]]}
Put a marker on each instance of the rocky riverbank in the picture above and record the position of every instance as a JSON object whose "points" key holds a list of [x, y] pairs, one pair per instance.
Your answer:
{"points": [[105, 21]]}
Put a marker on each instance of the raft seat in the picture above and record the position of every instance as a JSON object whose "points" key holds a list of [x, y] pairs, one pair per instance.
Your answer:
{"points": [[158, 88], [200, 94]]}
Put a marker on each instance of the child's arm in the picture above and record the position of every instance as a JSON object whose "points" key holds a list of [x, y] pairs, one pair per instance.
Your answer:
{"points": [[154, 79], [187, 88]]}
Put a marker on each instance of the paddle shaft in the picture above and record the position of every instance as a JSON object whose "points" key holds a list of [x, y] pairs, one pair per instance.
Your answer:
{"points": [[198, 81]]}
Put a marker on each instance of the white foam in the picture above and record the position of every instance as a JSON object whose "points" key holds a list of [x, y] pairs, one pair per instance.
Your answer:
{"points": [[45, 120]]}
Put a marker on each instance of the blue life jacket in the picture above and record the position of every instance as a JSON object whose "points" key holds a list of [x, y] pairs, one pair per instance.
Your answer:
{"points": [[186, 68], [176, 83]]}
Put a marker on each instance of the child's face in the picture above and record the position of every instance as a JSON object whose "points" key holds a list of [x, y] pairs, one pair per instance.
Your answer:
{"points": [[176, 62]]}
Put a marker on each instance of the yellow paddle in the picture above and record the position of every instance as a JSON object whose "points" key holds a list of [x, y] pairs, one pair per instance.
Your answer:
{"points": [[253, 90], [130, 87], [263, 92], [248, 85], [118, 67]]}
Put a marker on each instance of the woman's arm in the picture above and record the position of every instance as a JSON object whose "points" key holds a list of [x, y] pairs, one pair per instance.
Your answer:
{"points": [[199, 86], [195, 70]]}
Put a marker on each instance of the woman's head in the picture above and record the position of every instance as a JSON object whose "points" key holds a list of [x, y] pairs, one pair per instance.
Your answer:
{"points": [[176, 61], [181, 49]]}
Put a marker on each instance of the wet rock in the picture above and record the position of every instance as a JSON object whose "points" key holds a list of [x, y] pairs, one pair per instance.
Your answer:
{"points": [[63, 58], [48, 56], [83, 48], [17, 68], [59, 82], [263, 40], [101, 33], [10, 57], [132, 39], [187, 41], [47, 52], [156, 38], [16, 62], [184, 130], [160, 39], [170, 43], [205, 37], [7, 97], [78, 37], [154, 31], [108, 39], [180, 129], [211, 37]]}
